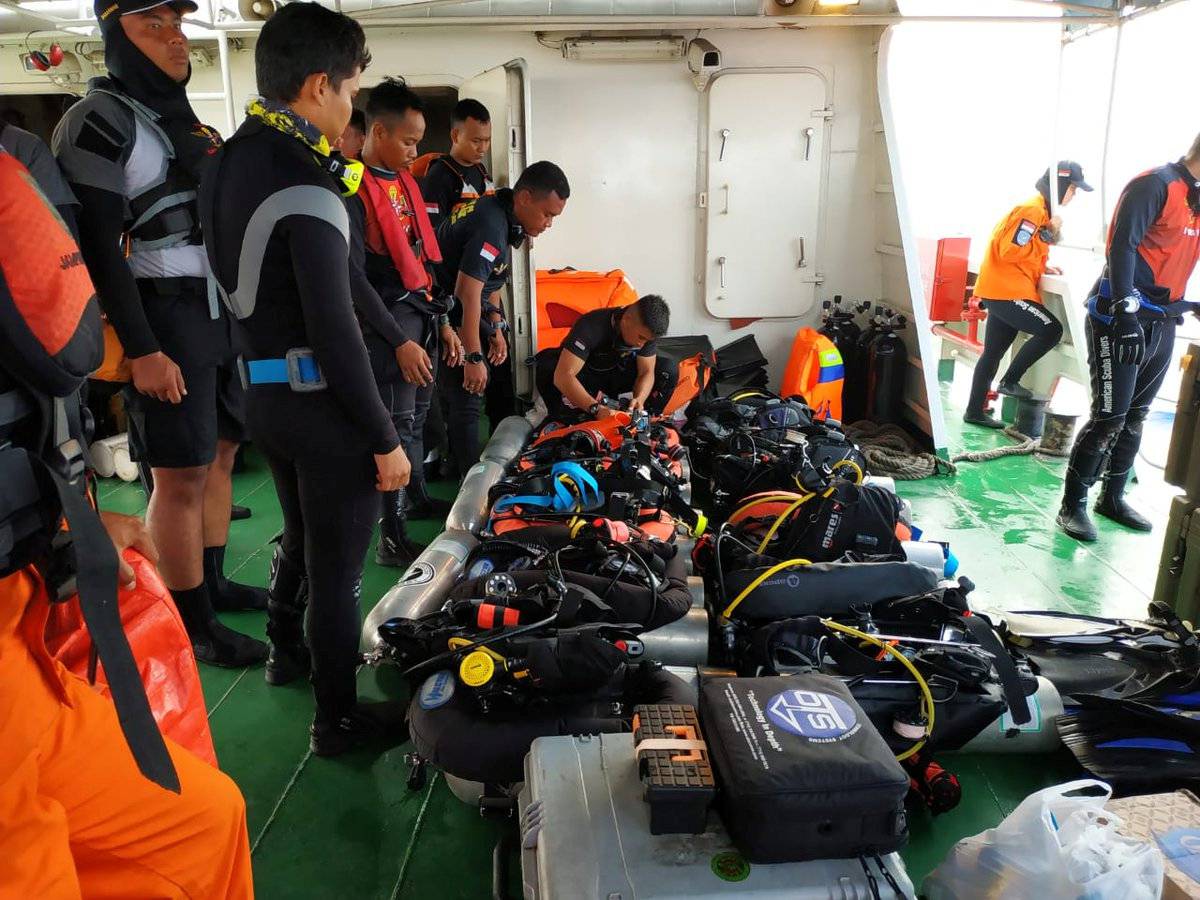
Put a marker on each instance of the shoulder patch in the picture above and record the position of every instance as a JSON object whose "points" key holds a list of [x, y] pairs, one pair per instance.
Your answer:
{"points": [[1024, 233]]}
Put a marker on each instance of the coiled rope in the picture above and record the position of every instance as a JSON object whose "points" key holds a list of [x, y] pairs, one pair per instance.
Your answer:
{"points": [[890, 450]]}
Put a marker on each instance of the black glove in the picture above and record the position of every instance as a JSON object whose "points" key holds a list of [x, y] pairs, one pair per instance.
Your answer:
{"points": [[1129, 342]]}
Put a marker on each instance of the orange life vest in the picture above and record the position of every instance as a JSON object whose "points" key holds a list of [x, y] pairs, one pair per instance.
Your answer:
{"points": [[815, 372], [563, 295]]}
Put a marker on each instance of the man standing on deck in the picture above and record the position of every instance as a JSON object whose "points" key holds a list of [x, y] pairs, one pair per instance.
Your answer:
{"points": [[476, 247], [1153, 246], [133, 152]]}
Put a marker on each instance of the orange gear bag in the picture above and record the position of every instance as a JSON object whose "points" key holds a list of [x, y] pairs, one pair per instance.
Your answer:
{"points": [[115, 366], [815, 372], [563, 295], [160, 646]]}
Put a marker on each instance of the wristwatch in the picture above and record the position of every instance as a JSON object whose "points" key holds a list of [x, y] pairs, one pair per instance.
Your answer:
{"points": [[492, 327], [475, 357], [593, 409], [443, 320]]}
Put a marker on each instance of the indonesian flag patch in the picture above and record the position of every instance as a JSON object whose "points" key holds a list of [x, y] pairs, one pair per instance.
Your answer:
{"points": [[489, 252], [432, 209]]}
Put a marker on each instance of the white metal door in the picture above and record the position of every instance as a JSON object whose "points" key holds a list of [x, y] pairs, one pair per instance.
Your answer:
{"points": [[766, 151], [504, 90]]}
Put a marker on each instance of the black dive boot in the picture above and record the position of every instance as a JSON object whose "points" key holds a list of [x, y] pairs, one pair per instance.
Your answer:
{"points": [[343, 723], [287, 597], [421, 505], [1081, 474], [395, 549], [1112, 504], [978, 417], [1014, 389], [212, 642], [229, 596]]}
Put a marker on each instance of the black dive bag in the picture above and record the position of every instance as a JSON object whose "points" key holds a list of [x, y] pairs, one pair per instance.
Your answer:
{"points": [[803, 774]]}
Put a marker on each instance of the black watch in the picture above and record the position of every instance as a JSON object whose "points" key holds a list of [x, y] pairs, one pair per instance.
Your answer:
{"points": [[475, 357], [593, 409]]}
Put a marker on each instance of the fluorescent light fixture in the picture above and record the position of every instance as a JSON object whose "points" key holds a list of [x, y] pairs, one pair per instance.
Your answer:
{"points": [[645, 49]]}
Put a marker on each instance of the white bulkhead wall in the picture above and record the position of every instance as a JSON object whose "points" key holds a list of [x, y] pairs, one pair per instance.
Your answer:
{"points": [[627, 135]]}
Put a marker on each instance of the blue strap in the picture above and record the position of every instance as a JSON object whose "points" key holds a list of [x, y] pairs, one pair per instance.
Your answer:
{"points": [[275, 371], [831, 373], [267, 371], [524, 500], [1095, 314], [1105, 291], [583, 481]]}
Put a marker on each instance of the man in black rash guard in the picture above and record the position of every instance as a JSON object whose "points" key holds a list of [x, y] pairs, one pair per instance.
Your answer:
{"points": [[272, 206], [609, 352], [476, 244], [391, 246], [1153, 246], [133, 152]]}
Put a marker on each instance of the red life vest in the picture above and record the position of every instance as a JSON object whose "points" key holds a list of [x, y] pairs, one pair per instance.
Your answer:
{"points": [[1171, 245], [385, 199]]}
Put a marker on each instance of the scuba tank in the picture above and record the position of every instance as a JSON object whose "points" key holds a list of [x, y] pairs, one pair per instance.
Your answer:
{"points": [[839, 325], [854, 395], [887, 371]]}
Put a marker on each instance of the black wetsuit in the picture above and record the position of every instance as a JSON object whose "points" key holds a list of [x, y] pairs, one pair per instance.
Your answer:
{"points": [[609, 367], [476, 241], [319, 444]]}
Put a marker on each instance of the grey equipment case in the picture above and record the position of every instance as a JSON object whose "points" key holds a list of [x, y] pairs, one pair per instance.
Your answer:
{"points": [[585, 833]]}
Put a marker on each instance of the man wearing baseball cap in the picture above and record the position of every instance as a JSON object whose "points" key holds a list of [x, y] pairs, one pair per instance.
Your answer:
{"points": [[1007, 288], [133, 151]]}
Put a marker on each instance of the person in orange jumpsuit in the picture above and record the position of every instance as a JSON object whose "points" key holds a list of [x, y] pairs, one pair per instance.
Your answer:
{"points": [[1007, 288], [93, 801]]}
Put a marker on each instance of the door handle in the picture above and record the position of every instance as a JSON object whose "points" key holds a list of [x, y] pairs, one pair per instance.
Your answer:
{"points": [[721, 265], [728, 191], [808, 136], [725, 133], [803, 263]]}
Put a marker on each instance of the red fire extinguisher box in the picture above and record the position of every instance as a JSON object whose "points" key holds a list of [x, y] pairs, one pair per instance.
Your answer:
{"points": [[944, 276]]}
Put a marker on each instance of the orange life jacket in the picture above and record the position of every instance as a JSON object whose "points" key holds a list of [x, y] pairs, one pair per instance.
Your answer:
{"points": [[815, 372], [563, 295]]}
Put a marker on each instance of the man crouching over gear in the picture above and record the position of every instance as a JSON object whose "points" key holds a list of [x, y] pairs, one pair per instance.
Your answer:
{"points": [[610, 352], [276, 226], [93, 801], [133, 151]]}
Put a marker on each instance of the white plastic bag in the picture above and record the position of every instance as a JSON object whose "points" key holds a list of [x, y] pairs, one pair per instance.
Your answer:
{"points": [[1059, 844]]}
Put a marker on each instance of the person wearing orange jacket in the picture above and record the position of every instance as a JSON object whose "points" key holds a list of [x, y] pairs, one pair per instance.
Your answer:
{"points": [[1007, 288], [94, 802]]}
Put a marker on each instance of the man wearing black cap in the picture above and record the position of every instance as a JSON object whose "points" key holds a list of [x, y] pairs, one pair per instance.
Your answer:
{"points": [[133, 152], [1153, 247]]}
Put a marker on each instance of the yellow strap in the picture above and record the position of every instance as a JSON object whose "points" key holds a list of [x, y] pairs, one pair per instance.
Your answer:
{"points": [[858, 472], [783, 516], [922, 684]]}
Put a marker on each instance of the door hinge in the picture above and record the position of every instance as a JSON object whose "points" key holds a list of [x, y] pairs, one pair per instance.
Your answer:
{"points": [[516, 141], [702, 200], [826, 113]]}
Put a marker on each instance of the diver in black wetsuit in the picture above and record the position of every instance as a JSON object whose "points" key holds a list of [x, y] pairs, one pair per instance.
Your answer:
{"points": [[1153, 247], [277, 230]]}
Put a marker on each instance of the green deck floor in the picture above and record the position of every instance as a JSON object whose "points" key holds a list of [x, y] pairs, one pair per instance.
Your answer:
{"points": [[349, 828]]}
